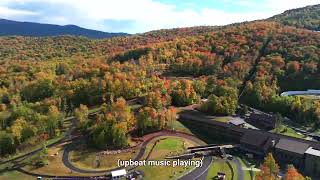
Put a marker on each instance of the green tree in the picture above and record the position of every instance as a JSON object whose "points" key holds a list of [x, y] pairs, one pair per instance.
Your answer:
{"points": [[7, 144], [81, 114], [183, 94], [146, 120], [38, 90], [43, 158], [279, 120], [52, 122], [17, 128]]}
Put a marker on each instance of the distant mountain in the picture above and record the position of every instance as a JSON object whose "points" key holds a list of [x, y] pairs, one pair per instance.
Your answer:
{"points": [[306, 17], [11, 28]]}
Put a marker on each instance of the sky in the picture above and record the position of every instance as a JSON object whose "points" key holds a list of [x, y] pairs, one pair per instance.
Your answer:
{"points": [[137, 16]]}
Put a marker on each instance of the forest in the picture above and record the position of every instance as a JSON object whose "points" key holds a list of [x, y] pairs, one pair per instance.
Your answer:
{"points": [[45, 80]]}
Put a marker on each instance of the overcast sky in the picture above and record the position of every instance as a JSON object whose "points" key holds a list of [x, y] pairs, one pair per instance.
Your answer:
{"points": [[136, 16]]}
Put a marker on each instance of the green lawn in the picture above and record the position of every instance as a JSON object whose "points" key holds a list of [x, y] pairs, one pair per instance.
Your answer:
{"points": [[86, 159], [285, 130], [55, 166], [178, 126], [221, 166], [15, 175], [169, 144], [222, 119], [166, 146]]}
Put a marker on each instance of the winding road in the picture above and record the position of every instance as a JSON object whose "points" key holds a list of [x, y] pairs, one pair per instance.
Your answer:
{"points": [[195, 174], [63, 139], [239, 168]]}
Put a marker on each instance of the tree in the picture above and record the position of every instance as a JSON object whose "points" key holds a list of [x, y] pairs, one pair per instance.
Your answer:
{"points": [[223, 102], [119, 134], [157, 100], [81, 115], [7, 144], [52, 122], [279, 120], [269, 169], [199, 86], [146, 120], [17, 127], [293, 67], [27, 132], [43, 156], [293, 174], [170, 117], [244, 110], [183, 93], [111, 128], [38, 90]]}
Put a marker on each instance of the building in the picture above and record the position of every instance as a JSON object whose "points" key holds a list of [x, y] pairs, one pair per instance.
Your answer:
{"points": [[237, 122], [257, 142], [290, 152], [119, 174], [312, 162], [262, 121], [303, 154]]}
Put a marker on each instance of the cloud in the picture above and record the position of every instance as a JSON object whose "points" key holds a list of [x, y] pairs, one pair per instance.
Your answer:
{"points": [[6, 12], [141, 15]]}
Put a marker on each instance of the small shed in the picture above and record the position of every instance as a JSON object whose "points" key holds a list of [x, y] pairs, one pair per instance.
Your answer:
{"points": [[118, 174]]}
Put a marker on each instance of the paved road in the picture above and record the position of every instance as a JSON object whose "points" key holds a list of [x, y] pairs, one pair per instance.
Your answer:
{"points": [[239, 168], [201, 171], [65, 138], [102, 177]]}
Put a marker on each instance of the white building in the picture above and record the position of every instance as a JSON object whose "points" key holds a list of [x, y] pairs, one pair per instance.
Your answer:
{"points": [[119, 174]]}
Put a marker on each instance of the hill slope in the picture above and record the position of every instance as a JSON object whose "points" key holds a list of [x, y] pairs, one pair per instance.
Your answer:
{"points": [[306, 17], [10, 28]]}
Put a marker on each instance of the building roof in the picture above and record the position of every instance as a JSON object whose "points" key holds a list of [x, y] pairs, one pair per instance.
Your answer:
{"points": [[121, 172], [257, 139], [237, 121], [292, 146], [313, 152]]}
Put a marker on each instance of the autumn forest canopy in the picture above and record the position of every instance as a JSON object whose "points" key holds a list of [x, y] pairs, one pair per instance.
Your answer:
{"points": [[44, 80]]}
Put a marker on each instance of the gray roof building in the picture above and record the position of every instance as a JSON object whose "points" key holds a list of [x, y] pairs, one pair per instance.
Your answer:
{"points": [[292, 146], [237, 121]]}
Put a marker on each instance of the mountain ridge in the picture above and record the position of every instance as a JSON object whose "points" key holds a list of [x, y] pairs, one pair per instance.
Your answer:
{"points": [[306, 17], [17, 28]]}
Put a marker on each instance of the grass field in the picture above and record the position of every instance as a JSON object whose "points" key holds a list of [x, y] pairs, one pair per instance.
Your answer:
{"points": [[55, 166], [165, 147], [222, 119], [285, 130], [178, 126], [15, 175], [221, 166], [86, 159]]}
